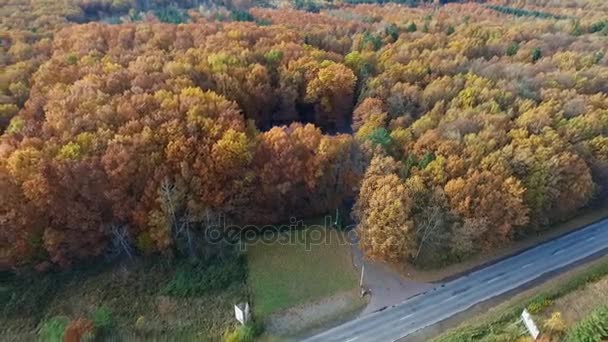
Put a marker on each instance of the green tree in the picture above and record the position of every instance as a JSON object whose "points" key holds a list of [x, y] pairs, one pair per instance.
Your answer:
{"points": [[536, 54], [512, 49]]}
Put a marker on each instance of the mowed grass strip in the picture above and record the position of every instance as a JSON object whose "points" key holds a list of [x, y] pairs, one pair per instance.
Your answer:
{"points": [[283, 275]]}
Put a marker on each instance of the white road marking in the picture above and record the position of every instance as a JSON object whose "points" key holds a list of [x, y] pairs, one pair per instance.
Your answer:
{"points": [[527, 265], [559, 251], [493, 279], [406, 317], [591, 238], [448, 299], [352, 339]]}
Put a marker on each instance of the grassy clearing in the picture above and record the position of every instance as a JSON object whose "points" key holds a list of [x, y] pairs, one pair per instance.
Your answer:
{"points": [[284, 275], [152, 299], [503, 322]]}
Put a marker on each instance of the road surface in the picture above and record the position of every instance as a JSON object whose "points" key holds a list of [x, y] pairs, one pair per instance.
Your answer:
{"points": [[448, 299]]}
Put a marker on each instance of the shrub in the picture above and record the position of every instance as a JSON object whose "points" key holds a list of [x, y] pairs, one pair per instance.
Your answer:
{"points": [[538, 304], [78, 330], [244, 333], [102, 318], [194, 279], [140, 323], [593, 328], [598, 26], [53, 329], [555, 324]]}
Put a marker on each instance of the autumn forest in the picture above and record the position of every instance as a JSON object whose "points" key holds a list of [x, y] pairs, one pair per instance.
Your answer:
{"points": [[129, 126]]}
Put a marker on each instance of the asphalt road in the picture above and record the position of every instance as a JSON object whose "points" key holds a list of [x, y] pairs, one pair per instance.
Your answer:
{"points": [[446, 300]]}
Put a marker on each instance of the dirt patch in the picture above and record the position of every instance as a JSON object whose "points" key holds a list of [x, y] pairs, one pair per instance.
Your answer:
{"points": [[314, 316], [385, 286], [585, 218]]}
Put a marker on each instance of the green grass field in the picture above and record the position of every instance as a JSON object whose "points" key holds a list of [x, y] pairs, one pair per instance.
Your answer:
{"points": [[283, 275]]}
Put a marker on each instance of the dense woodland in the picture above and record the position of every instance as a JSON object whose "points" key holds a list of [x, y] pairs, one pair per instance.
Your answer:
{"points": [[456, 128]]}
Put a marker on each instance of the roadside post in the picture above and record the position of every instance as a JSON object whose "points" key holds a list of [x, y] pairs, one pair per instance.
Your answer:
{"points": [[241, 312]]}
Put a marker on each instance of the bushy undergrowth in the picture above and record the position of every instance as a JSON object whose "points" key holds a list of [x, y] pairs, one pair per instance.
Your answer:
{"points": [[244, 333], [193, 279], [102, 318], [29, 294], [593, 328], [539, 304], [53, 329], [44, 304], [61, 328]]}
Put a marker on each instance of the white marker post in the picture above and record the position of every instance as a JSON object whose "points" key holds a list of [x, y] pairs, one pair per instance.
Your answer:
{"points": [[530, 325], [241, 312]]}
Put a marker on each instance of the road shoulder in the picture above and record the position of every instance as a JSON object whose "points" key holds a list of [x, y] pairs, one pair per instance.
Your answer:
{"points": [[482, 260]]}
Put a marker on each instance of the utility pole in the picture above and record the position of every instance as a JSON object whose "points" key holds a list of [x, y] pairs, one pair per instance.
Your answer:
{"points": [[363, 290], [337, 217], [362, 272]]}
